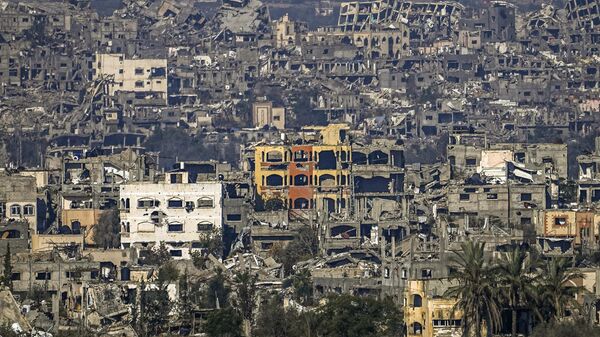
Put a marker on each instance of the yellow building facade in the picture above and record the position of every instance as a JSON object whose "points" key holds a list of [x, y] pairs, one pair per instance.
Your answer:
{"points": [[580, 225], [307, 176], [428, 314]]}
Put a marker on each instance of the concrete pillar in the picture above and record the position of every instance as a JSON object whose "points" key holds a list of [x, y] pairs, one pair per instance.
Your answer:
{"points": [[393, 247], [55, 309]]}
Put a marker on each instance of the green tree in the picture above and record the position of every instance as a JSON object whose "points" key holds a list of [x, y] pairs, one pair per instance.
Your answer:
{"points": [[154, 310], [273, 320], [212, 244], [566, 328], [156, 256], [517, 282], [167, 274], [217, 292], [106, 233], [477, 293], [245, 299], [7, 274], [185, 305], [556, 288], [223, 323], [304, 246], [352, 316], [246, 294], [303, 287]]}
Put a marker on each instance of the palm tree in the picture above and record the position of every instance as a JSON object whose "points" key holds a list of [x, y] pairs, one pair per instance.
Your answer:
{"points": [[476, 290], [557, 287], [516, 281]]}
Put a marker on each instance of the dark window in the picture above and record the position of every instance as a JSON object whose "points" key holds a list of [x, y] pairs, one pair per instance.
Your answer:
{"points": [[471, 161], [43, 276], [492, 196], [560, 221], [73, 274], [15, 210], [205, 203], [204, 226], [15, 276], [176, 178], [525, 196], [175, 227], [175, 203], [28, 210], [139, 71], [417, 328], [147, 203], [176, 253], [417, 301], [234, 217], [464, 197]]}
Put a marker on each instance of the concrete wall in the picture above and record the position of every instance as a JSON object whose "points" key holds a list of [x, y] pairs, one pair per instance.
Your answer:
{"points": [[140, 75], [172, 225]]}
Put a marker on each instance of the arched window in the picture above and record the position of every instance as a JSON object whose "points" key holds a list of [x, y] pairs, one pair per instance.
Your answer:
{"points": [[28, 210], [327, 180], [145, 227], [417, 301], [15, 210], [205, 202], [76, 227], [301, 203], [274, 180], [417, 328], [146, 203], [204, 226], [378, 157], [300, 180], [175, 227], [175, 203]]}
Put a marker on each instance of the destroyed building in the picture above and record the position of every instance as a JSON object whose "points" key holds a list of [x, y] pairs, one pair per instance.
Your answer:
{"points": [[354, 150]]}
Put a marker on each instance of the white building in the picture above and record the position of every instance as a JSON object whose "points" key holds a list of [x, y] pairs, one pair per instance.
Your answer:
{"points": [[132, 75], [175, 212]]}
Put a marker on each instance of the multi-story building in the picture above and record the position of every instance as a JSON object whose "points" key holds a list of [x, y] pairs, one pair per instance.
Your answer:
{"points": [[19, 200], [427, 313], [143, 76], [312, 175], [90, 186], [286, 32], [560, 231], [264, 114], [175, 212], [589, 176]]}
